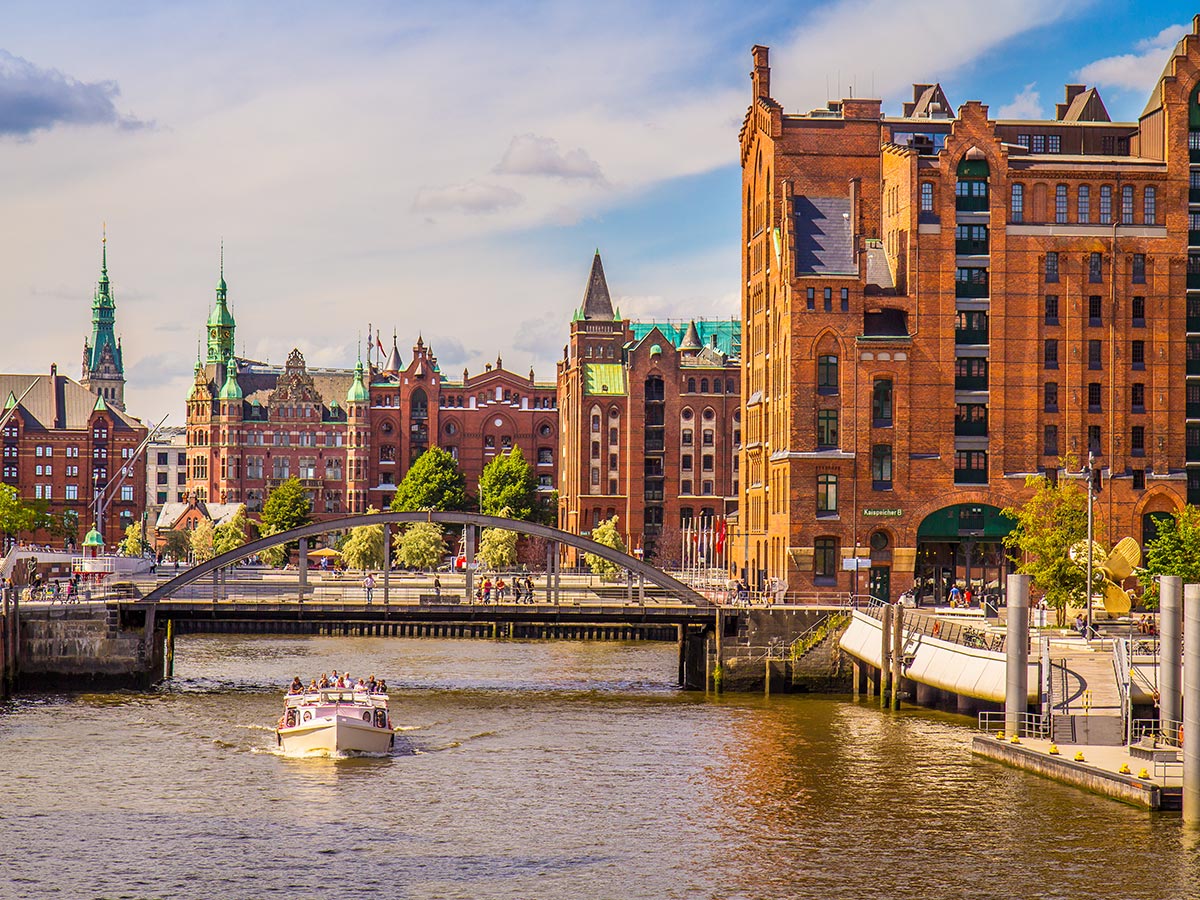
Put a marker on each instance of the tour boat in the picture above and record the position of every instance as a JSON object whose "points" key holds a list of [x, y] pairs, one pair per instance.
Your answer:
{"points": [[335, 720]]}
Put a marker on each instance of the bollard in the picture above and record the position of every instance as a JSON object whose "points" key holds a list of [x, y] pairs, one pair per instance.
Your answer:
{"points": [[1191, 704], [1170, 651], [1016, 690]]}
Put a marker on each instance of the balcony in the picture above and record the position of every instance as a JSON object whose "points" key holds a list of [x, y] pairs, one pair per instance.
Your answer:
{"points": [[970, 382], [970, 476], [973, 428], [970, 336]]}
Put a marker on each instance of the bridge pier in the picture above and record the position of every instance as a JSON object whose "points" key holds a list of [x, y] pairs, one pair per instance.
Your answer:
{"points": [[303, 567], [885, 657], [387, 560], [469, 555]]}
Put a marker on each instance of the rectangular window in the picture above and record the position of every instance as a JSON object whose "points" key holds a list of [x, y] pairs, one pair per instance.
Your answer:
{"points": [[825, 560], [827, 495], [1137, 440], [881, 403], [1137, 354], [1095, 268], [828, 299], [1137, 397], [71, 492], [1051, 309], [1084, 209], [1050, 397], [1106, 204], [127, 493], [1038, 144], [811, 296], [1093, 439], [1127, 205], [827, 374], [845, 299], [1094, 397], [827, 428], [1137, 308], [1050, 440], [881, 467], [1054, 143], [685, 462], [1060, 204], [1150, 206], [970, 466], [1139, 268], [1095, 310], [1052, 267], [1139, 481], [1017, 212], [1095, 349], [1050, 353], [926, 196], [1023, 140]]}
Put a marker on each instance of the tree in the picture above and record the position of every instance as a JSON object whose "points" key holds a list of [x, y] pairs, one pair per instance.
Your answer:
{"points": [[232, 534], [1174, 551], [278, 555], [1050, 522], [420, 545], [497, 548], [176, 545], [433, 482], [507, 482], [363, 549], [15, 516], [132, 544], [286, 507], [605, 533], [202, 540]]}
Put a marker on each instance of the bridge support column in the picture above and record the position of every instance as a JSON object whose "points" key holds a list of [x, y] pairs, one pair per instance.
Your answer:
{"points": [[681, 637], [303, 567], [469, 554], [1016, 689], [641, 589], [719, 672], [897, 653], [557, 573], [628, 586], [549, 567], [387, 561], [216, 586], [1170, 649], [169, 650], [1191, 704], [885, 657]]}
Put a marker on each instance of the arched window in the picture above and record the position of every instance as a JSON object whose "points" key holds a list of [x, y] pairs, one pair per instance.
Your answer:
{"points": [[1083, 210], [881, 402], [704, 385], [691, 386]]}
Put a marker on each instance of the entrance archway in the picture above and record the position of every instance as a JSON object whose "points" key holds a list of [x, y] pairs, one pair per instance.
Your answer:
{"points": [[962, 544]]}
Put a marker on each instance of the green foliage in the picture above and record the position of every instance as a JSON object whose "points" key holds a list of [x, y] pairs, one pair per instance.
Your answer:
{"points": [[363, 549], [507, 482], [605, 533], [1175, 551], [277, 556], [176, 545], [1052, 521], [420, 545], [433, 482], [202, 541], [286, 507], [497, 548], [232, 534], [132, 544], [15, 516]]}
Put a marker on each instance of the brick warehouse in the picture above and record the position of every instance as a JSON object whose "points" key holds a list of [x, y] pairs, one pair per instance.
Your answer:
{"points": [[350, 435], [937, 305], [651, 417]]}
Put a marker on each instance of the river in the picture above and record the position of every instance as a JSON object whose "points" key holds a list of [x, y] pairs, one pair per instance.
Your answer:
{"points": [[539, 770]]}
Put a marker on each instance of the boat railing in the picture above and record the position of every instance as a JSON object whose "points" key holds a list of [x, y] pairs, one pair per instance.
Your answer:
{"points": [[337, 695]]}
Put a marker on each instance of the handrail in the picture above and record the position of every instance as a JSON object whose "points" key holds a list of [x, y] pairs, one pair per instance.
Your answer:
{"points": [[1030, 724], [961, 633], [1167, 732]]}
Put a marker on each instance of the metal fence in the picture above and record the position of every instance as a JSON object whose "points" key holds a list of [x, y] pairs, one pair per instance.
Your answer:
{"points": [[1033, 725]]}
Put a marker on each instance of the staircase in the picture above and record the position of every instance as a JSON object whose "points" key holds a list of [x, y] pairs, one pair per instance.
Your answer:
{"points": [[1087, 699]]}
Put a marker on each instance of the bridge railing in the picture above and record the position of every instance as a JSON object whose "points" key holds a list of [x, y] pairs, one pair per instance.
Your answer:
{"points": [[1033, 725]]}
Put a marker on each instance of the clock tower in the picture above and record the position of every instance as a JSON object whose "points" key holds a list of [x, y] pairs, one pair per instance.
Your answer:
{"points": [[220, 324], [103, 366]]}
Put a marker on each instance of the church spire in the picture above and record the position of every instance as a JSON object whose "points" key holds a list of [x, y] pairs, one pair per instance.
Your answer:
{"points": [[103, 367], [221, 325], [597, 304]]}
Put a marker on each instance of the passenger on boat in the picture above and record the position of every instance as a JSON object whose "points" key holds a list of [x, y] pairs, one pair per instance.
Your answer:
{"points": [[381, 686], [324, 682], [371, 685], [297, 686], [312, 686]]}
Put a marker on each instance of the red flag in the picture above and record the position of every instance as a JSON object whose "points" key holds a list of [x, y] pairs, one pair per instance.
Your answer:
{"points": [[720, 546], [379, 344]]}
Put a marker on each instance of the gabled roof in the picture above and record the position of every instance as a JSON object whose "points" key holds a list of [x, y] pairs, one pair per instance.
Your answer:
{"points": [[929, 101], [58, 402], [597, 304], [219, 513], [1081, 105]]}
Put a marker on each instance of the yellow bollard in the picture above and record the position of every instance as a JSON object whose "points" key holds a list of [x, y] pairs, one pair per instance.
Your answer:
{"points": [[1078, 756], [1143, 773], [999, 735], [1054, 749], [1124, 770], [1015, 740]]}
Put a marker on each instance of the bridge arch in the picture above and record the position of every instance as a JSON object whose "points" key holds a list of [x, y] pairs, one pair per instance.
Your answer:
{"points": [[655, 576]]}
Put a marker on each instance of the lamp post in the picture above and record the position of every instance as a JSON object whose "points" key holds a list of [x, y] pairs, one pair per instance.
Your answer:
{"points": [[1090, 469]]}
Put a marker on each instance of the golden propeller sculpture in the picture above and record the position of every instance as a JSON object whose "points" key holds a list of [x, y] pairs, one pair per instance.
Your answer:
{"points": [[1112, 567]]}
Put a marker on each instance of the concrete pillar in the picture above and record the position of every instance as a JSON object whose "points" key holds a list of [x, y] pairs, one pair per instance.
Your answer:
{"points": [[681, 636], [557, 573], [641, 589], [469, 552], [1016, 690], [1191, 704], [629, 587], [303, 567], [216, 585], [1170, 649], [387, 560], [885, 657], [897, 653], [549, 569]]}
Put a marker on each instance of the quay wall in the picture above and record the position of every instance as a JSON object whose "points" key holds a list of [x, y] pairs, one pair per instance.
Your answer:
{"points": [[89, 646]]}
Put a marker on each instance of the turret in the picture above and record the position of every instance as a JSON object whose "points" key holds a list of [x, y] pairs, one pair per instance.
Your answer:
{"points": [[221, 325], [103, 366]]}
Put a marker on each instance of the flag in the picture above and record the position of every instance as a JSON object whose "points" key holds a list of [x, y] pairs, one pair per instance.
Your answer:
{"points": [[379, 344], [720, 545]]}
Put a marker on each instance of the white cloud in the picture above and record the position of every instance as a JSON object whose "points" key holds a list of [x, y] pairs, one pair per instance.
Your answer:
{"points": [[470, 197], [1027, 104], [1135, 71], [531, 154]]}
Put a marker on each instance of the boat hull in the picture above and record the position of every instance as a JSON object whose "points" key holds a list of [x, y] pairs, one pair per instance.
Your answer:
{"points": [[335, 734]]}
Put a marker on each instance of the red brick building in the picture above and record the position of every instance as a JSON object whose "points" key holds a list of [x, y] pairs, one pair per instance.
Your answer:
{"points": [[65, 447], [650, 421], [350, 435], [938, 304]]}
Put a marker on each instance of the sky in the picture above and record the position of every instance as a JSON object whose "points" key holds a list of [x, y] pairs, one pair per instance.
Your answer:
{"points": [[447, 170]]}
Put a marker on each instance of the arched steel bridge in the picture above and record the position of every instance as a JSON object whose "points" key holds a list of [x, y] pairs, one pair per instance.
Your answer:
{"points": [[471, 521]]}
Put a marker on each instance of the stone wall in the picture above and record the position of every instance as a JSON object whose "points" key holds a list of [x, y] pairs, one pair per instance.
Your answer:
{"points": [[89, 646]]}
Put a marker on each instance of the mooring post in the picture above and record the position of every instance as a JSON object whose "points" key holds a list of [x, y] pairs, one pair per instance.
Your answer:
{"points": [[169, 652], [469, 552], [387, 560], [629, 587], [1170, 651], [885, 656], [1191, 704], [1016, 643], [681, 636], [303, 567], [549, 566], [719, 671], [641, 589], [557, 574], [897, 653]]}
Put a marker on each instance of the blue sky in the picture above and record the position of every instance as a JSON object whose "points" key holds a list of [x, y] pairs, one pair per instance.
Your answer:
{"points": [[447, 171]]}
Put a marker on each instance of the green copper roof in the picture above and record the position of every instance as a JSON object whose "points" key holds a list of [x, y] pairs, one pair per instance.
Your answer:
{"points": [[93, 538], [11, 401], [358, 392], [230, 390], [604, 378], [728, 333], [100, 406], [221, 316]]}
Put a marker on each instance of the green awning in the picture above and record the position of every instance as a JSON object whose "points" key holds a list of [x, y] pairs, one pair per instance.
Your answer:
{"points": [[965, 520]]}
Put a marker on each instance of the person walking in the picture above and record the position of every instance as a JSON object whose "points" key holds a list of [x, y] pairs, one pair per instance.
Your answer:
{"points": [[437, 587], [368, 584]]}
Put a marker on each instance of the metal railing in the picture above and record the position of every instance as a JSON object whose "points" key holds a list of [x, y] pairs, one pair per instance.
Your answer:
{"points": [[1031, 724], [1165, 733], [962, 633]]}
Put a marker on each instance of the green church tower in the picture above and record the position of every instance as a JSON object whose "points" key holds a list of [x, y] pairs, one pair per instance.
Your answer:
{"points": [[220, 323], [103, 366]]}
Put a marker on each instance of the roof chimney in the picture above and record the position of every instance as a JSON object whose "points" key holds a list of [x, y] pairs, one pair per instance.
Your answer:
{"points": [[760, 78]]}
